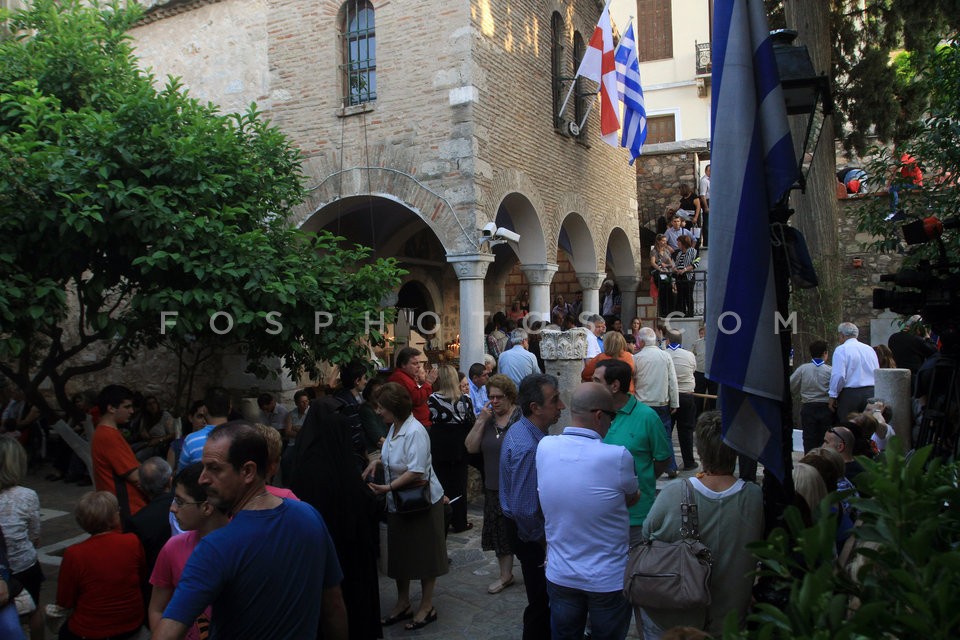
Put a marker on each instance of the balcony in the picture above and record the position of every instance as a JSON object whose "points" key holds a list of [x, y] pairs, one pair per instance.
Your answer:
{"points": [[704, 65]]}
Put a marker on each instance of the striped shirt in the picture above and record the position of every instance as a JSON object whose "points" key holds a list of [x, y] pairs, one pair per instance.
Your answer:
{"points": [[193, 447]]}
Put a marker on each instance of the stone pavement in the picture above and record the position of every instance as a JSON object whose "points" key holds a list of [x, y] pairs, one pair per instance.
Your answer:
{"points": [[465, 609]]}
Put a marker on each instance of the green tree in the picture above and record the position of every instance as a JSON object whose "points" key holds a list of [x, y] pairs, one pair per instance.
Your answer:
{"points": [[904, 577], [120, 201]]}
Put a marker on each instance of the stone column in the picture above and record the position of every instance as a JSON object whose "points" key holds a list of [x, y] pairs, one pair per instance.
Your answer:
{"points": [[471, 269], [628, 298], [539, 277], [563, 353], [893, 387], [591, 291]]}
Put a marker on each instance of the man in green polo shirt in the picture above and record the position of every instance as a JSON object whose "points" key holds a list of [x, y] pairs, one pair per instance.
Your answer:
{"points": [[638, 428]]}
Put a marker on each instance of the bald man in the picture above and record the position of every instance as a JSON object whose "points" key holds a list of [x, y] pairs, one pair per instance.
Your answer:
{"points": [[586, 487], [842, 440]]}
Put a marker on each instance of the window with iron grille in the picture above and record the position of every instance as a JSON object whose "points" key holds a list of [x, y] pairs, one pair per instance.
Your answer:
{"points": [[580, 101], [359, 68], [556, 64], [654, 30]]}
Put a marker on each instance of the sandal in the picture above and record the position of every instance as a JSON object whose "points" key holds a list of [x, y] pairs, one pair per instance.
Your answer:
{"points": [[406, 614], [499, 586], [420, 624]]}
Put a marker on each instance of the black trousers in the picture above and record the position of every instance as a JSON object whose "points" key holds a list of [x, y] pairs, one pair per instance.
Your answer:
{"points": [[815, 419], [452, 475], [536, 617]]}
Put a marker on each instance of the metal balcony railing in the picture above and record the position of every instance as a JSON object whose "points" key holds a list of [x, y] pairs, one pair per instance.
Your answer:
{"points": [[703, 58]]}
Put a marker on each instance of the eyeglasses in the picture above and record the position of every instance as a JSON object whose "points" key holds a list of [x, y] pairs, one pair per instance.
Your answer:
{"points": [[497, 397], [607, 412], [180, 502]]}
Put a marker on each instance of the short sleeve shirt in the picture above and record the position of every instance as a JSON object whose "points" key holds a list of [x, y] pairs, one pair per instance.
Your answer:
{"points": [[113, 460]]}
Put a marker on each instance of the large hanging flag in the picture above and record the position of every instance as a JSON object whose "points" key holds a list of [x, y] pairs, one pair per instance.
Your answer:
{"points": [[753, 167], [598, 65], [631, 95]]}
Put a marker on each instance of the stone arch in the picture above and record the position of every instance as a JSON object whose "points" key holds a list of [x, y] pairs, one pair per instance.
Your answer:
{"points": [[329, 198], [515, 192], [619, 253], [583, 248]]}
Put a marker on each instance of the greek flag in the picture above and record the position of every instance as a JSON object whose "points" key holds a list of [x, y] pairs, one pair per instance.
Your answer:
{"points": [[753, 166], [631, 95]]}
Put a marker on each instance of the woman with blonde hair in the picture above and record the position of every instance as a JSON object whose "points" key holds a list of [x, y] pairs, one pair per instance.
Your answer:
{"points": [[486, 436], [451, 413], [20, 524], [614, 348], [100, 577]]}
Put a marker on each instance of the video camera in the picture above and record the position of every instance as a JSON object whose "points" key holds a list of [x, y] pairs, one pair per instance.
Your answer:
{"points": [[931, 290]]}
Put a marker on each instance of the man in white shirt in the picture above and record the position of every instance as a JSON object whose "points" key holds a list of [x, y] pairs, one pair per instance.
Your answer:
{"points": [[596, 327], [685, 419], [517, 362], [585, 488], [655, 379], [851, 379], [705, 202]]}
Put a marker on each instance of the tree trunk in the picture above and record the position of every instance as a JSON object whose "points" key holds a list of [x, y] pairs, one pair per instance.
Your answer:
{"points": [[818, 310]]}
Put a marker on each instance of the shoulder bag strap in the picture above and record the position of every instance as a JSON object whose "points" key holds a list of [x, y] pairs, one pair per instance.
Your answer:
{"points": [[689, 524]]}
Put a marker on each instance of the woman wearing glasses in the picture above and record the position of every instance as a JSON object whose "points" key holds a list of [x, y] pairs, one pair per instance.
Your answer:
{"points": [[486, 437], [197, 518]]}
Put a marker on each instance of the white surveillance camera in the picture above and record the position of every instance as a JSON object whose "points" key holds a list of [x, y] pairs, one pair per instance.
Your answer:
{"points": [[489, 229], [505, 234]]}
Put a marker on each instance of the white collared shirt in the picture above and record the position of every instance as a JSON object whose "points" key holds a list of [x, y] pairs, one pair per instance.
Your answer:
{"points": [[854, 364]]}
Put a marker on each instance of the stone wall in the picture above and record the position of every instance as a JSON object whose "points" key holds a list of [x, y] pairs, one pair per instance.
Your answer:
{"points": [[660, 171], [861, 269]]}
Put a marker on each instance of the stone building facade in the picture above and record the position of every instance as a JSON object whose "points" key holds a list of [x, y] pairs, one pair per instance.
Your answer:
{"points": [[460, 133]]}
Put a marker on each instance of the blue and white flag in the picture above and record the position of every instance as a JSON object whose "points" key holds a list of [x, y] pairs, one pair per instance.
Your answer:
{"points": [[753, 167], [631, 95]]}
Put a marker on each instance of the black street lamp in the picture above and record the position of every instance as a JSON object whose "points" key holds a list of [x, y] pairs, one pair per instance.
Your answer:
{"points": [[805, 94]]}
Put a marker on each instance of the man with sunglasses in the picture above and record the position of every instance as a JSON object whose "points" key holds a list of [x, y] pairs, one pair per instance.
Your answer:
{"points": [[586, 487]]}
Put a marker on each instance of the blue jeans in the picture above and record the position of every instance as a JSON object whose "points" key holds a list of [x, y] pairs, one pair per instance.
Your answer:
{"points": [[667, 419], [609, 613]]}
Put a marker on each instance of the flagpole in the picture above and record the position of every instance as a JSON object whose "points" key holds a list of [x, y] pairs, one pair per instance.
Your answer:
{"points": [[573, 85], [563, 108]]}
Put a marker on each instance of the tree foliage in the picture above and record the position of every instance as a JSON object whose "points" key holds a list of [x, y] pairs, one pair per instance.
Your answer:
{"points": [[873, 95], [904, 581], [936, 144], [120, 201]]}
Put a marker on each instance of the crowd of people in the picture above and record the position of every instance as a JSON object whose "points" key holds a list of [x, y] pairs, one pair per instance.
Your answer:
{"points": [[270, 528]]}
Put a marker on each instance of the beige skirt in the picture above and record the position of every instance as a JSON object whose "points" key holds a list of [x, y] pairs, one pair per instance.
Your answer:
{"points": [[416, 546]]}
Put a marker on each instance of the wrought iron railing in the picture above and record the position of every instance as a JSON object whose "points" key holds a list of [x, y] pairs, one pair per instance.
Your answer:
{"points": [[703, 58]]}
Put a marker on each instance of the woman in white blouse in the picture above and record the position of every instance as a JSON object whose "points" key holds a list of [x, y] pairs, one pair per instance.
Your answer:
{"points": [[416, 547]]}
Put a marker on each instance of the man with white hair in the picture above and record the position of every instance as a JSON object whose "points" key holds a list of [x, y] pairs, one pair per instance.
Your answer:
{"points": [[851, 379], [517, 362], [655, 379], [596, 327]]}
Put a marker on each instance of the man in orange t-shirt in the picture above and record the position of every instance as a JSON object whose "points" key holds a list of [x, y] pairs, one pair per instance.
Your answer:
{"points": [[115, 467]]}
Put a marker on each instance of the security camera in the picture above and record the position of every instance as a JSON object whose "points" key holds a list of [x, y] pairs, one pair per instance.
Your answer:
{"points": [[503, 233], [489, 230]]}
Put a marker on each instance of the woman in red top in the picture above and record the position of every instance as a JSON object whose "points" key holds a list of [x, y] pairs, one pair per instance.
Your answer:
{"points": [[100, 577]]}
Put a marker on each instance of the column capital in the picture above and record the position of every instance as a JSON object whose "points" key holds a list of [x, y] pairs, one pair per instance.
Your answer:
{"points": [[471, 266], [564, 345], [541, 274], [628, 283], [591, 280]]}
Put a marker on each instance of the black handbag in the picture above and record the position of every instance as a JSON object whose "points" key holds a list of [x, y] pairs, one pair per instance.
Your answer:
{"points": [[412, 500], [671, 575]]}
